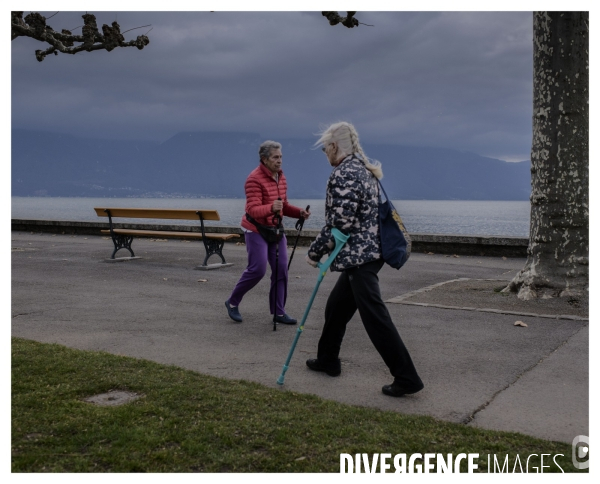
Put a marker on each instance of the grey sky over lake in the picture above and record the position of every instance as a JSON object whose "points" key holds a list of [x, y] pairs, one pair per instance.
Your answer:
{"points": [[459, 80]]}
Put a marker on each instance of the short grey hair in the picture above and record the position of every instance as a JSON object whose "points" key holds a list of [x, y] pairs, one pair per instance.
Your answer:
{"points": [[266, 147]]}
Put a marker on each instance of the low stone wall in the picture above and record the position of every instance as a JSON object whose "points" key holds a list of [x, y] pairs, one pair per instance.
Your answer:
{"points": [[436, 243]]}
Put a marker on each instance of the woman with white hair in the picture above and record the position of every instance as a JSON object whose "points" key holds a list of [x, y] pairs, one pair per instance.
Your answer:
{"points": [[351, 206]]}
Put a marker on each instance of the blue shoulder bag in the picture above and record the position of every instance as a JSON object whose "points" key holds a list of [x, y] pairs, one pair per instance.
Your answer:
{"points": [[395, 241]]}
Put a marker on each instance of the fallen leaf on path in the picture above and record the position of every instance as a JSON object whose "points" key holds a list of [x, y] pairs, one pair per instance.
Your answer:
{"points": [[165, 279], [202, 280], [454, 255], [520, 323], [297, 277], [430, 253]]}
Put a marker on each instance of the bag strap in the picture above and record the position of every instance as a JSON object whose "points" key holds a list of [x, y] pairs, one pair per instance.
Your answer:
{"points": [[252, 221], [257, 225], [383, 189]]}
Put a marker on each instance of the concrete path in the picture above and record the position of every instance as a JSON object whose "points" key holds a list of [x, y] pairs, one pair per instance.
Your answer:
{"points": [[478, 368]]}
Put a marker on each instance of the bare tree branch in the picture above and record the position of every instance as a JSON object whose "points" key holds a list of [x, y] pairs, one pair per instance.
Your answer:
{"points": [[348, 21], [140, 27], [34, 26]]}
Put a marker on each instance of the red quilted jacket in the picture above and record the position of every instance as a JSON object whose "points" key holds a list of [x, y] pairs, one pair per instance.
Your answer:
{"points": [[261, 191]]}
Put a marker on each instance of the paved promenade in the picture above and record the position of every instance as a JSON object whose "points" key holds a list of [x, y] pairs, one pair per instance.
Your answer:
{"points": [[478, 368]]}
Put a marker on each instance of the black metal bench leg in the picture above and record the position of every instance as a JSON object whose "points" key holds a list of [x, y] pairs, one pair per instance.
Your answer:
{"points": [[213, 247], [122, 242]]}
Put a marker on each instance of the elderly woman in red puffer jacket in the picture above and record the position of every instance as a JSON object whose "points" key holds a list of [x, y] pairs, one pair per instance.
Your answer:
{"points": [[266, 196]]}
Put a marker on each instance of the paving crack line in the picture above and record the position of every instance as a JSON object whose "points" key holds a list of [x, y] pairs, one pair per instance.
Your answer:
{"points": [[497, 311], [402, 299], [470, 418], [26, 314], [399, 299]]}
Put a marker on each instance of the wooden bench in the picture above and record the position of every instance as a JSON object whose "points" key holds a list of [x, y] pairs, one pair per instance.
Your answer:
{"points": [[122, 238]]}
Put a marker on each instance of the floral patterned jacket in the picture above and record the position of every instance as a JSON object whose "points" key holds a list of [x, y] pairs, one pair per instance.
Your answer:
{"points": [[351, 206]]}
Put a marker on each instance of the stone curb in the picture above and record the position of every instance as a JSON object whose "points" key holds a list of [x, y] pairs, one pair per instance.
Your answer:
{"points": [[493, 246]]}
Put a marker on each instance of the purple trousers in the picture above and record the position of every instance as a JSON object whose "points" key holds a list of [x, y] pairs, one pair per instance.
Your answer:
{"points": [[259, 253]]}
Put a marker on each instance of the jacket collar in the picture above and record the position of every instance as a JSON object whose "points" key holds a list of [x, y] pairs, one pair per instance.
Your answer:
{"points": [[268, 172], [349, 157]]}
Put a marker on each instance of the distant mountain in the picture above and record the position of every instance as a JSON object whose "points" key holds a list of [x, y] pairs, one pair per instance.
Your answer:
{"points": [[217, 164], [49, 164]]}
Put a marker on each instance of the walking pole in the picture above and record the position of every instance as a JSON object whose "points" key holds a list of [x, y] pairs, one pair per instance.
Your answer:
{"points": [[340, 240], [277, 221], [299, 225]]}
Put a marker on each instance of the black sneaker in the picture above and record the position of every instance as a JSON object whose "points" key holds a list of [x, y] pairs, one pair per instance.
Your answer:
{"points": [[396, 390], [332, 369], [285, 319], [234, 313]]}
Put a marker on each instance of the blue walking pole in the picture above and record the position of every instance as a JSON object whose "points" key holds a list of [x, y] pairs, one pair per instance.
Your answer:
{"points": [[340, 240]]}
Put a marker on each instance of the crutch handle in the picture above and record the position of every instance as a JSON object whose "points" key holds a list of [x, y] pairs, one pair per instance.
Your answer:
{"points": [[340, 240]]}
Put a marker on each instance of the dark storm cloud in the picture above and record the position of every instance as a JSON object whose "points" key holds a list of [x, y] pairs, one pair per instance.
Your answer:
{"points": [[454, 79]]}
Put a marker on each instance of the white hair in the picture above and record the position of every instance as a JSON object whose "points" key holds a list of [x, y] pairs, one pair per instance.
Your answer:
{"points": [[345, 136]]}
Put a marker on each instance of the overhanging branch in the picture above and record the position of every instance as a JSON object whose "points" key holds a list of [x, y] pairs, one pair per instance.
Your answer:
{"points": [[34, 26], [348, 21]]}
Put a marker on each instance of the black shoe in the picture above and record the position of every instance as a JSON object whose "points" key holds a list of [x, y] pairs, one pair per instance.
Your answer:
{"points": [[333, 369], [396, 390], [285, 319], [234, 313]]}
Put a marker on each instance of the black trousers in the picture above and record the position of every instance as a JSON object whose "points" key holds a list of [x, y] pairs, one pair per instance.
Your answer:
{"points": [[358, 288]]}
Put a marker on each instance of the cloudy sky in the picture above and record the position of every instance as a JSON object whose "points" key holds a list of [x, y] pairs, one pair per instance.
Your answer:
{"points": [[460, 80]]}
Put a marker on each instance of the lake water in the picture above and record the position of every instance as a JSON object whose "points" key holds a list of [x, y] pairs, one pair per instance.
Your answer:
{"points": [[454, 217]]}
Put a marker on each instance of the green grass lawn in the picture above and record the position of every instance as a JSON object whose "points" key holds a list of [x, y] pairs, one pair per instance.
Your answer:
{"points": [[187, 422]]}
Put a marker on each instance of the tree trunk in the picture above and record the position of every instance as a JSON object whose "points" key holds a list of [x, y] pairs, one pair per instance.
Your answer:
{"points": [[557, 262]]}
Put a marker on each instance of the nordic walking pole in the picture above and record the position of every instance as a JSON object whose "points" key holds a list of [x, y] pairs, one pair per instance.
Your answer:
{"points": [[277, 222], [299, 225], [340, 240]]}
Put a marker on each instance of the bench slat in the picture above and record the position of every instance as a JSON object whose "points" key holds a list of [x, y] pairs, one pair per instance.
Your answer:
{"points": [[158, 213], [164, 233]]}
